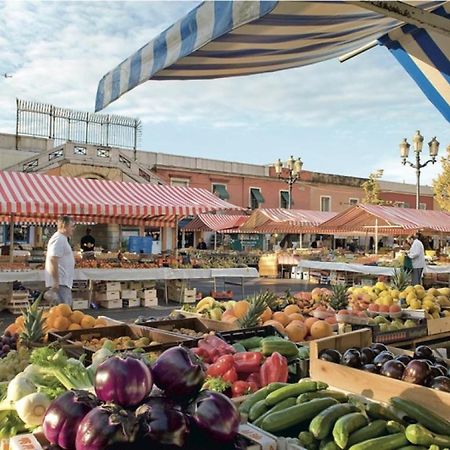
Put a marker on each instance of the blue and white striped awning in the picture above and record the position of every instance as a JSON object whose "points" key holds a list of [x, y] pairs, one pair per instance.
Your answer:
{"points": [[425, 55], [233, 38]]}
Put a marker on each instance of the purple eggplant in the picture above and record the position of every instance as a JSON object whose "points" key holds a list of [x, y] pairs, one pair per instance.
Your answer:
{"points": [[215, 417], [64, 415], [441, 383], [393, 369], [123, 381], [178, 373], [107, 427], [417, 371], [162, 425]]}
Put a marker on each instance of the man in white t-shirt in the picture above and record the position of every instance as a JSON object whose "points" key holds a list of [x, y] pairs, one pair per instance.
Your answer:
{"points": [[60, 263], [417, 255]]}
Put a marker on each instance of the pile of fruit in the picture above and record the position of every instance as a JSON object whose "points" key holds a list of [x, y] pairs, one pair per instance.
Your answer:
{"points": [[120, 343], [423, 368], [330, 420], [13, 363], [8, 342]]}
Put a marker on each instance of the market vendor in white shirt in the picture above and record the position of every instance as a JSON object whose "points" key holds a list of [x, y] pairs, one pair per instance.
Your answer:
{"points": [[417, 255], [60, 262]]}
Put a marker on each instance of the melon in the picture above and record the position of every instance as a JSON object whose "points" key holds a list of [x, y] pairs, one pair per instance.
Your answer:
{"points": [[321, 329], [296, 316], [281, 317], [266, 315], [296, 331], [292, 309], [309, 322]]}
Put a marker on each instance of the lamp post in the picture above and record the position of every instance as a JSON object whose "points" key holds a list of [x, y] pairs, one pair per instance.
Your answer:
{"points": [[418, 165], [295, 167]]}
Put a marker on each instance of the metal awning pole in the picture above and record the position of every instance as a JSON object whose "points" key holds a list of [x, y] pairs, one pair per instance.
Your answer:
{"points": [[11, 239], [215, 240], [176, 235], [376, 236], [358, 51]]}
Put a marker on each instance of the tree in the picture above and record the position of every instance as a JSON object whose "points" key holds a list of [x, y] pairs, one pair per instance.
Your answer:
{"points": [[441, 184], [372, 189]]}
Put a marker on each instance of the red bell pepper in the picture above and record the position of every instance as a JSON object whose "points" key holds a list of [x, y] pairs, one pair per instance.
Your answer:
{"points": [[221, 366], [254, 378], [230, 376], [274, 369], [213, 352], [202, 354], [222, 347], [247, 362]]}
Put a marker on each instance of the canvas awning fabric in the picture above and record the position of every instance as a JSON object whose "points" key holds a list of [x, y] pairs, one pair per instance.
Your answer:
{"points": [[26, 195], [388, 220], [425, 55], [233, 38], [220, 223], [278, 220], [221, 191], [256, 194]]}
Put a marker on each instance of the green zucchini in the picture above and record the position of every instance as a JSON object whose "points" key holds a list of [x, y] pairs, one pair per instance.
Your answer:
{"points": [[419, 435], [252, 342], [285, 348], [328, 444], [422, 415], [374, 429], [278, 407], [346, 425], [259, 395], [323, 423], [294, 415], [239, 347], [292, 390], [339, 396], [413, 447], [394, 427], [391, 442], [308, 441], [377, 411], [257, 410]]}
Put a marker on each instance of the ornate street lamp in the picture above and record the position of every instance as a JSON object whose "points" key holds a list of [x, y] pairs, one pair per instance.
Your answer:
{"points": [[433, 146], [294, 167]]}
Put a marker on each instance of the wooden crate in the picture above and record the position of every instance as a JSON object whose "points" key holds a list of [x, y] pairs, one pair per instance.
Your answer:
{"points": [[131, 302], [80, 304], [182, 295], [149, 294], [374, 386], [129, 294], [149, 302], [134, 285], [108, 286], [148, 284], [111, 304], [18, 301], [107, 296], [80, 285], [438, 326]]}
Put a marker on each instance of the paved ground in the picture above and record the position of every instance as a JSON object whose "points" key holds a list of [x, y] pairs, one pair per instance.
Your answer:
{"points": [[130, 314]]}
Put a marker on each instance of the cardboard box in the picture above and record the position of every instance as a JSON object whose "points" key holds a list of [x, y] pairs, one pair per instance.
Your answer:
{"points": [[111, 304], [148, 284], [133, 285], [131, 303], [438, 326], [149, 303], [373, 386], [129, 294], [80, 304], [260, 439], [107, 296], [148, 294], [106, 286], [24, 442]]}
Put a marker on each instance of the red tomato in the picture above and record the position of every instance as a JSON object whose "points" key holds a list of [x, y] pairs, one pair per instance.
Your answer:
{"points": [[230, 376], [240, 388]]}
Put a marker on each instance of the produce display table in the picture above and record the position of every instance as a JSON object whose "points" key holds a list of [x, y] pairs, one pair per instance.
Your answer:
{"points": [[441, 340]]}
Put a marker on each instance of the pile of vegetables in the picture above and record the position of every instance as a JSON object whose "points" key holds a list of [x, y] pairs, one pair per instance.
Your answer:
{"points": [[423, 368], [331, 420], [137, 406], [8, 342], [244, 367]]}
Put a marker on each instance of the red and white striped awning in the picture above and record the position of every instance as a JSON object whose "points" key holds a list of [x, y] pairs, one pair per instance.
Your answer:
{"points": [[285, 220], [388, 220], [221, 223], [26, 195]]}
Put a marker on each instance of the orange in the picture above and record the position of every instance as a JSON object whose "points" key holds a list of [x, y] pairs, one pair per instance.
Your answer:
{"points": [[281, 317], [296, 316], [76, 317], [87, 321], [309, 322], [63, 310], [19, 321], [74, 326], [229, 317], [266, 315], [321, 329], [241, 308], [275, 324], [292, 309], [100, 323], [61, 323], [13, 328], [296, 331]]}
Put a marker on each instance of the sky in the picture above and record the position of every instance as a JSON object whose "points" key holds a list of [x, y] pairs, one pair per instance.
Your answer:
{"points": [[339, 118]]}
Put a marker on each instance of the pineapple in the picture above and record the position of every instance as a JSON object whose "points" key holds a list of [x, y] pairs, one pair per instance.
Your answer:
{"points": [[401, 279], [258, 303], [34, 324], [339, 299]]}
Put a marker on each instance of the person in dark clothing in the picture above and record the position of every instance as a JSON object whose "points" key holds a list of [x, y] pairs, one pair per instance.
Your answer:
{"points": [[314, 243], [87, 242], [201, 244]]}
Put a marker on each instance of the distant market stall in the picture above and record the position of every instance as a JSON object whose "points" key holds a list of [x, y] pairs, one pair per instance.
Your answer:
{"points": [[219, 223]]}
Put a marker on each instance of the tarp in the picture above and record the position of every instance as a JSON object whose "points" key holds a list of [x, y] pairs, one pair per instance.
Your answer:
{"points": [[232, 38], [221, 223], [425, 55], [27, 195], [388, 220], [278, 220]]}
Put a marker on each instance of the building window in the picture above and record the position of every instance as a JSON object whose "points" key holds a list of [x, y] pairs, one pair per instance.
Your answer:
{"points": [[255, 198], [353, 201], [77, 150], [284, 199], [325, 203], [221, 191], [103, 152], [401, 204], [422, 206], [180, 182]]}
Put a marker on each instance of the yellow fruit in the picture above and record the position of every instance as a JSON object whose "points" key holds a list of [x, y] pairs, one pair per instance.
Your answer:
{"points": [[443, 300], [275, 324], [241, 308], [416, 304], [76, 317], [292, 309], [87, 321], [100, 323], [63, 310], [444, 291], [395, 293], [74, 326], [321, 329], [403, 295], [420, 294], [409, 289], [296, 331], [61, 323], [266, 315], [281, 317], [433, 291], [411, 297]]}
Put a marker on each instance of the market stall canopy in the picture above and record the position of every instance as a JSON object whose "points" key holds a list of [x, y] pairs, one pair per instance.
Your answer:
{"points": [[43, 197], [220, 223], [278, 220], [232, 38], [387, 220]]}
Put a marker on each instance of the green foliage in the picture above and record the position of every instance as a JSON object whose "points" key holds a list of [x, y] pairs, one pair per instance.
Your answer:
{"points": [[441, 184]]}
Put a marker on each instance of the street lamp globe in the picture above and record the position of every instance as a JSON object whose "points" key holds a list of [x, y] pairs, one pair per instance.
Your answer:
{"points": [[404, 149], [418, 142], [298, 165], [434, 147], [278, 167], [290, 163]]}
